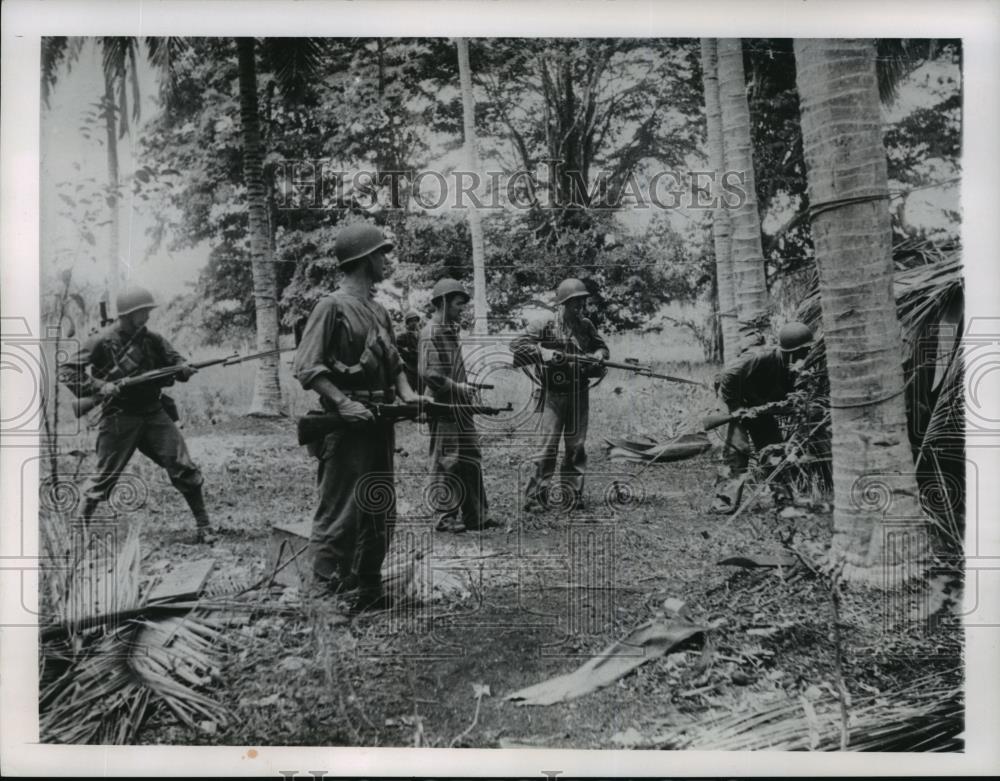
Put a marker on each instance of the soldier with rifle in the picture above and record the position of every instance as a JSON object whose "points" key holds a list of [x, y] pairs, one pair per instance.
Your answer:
{"points": [[348, 355], [407, 341], [456, 461], [563, 390], [759, 378], [135, 416]]}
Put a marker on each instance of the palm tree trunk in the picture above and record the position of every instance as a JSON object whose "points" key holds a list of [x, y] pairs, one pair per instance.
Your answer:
{"points": [[267, 390], [111, 127], [721, 227], [479, 308], [749, 283], [878, 526]]}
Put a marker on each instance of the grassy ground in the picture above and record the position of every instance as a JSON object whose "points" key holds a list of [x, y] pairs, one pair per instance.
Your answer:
{"points": [[518, 615]]}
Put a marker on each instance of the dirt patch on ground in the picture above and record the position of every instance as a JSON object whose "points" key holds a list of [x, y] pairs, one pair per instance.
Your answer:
{"points": [[525, 604]]}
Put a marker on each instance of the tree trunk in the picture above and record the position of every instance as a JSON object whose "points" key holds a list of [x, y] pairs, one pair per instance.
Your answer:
{"points": [[878, 523], [479, 308], [721, 227], [749, 283], [111, 128], [267, 390]]}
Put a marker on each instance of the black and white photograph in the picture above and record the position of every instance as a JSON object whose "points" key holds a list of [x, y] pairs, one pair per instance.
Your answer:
{"points": [[422, 376]]}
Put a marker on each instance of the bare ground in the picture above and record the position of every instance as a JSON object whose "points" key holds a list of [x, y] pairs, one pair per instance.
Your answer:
{"points": [[525, 612]]}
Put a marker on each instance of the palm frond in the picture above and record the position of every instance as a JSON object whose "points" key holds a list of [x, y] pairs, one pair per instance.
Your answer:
{"points": [[295, 62], [164, 54], [895, 59], [926, 715], [100, 686], [117, 61], [54, 54], [929, 299], [107, 695]]}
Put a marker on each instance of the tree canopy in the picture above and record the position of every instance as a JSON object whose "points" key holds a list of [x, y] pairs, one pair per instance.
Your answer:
{"points": [[611, 112]]}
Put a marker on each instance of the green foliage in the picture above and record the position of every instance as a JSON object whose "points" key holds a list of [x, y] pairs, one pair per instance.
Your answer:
{"points": [[623, 109], [921, 148], [596, 105], [629, 276]]}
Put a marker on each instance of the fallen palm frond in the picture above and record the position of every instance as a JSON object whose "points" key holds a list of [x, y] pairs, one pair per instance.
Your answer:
{"points": [[650, 640], [676, 449], [409, 578], [926, 715], [105, 693], [107, 667]]}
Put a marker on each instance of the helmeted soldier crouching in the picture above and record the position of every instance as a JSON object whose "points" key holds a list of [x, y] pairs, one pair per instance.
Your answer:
{"points": [[347, 354], [759, 376], [564, 390], [137, 417]]}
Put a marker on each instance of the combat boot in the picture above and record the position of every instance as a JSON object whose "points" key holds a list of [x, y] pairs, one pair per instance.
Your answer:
{"points": [[331, 590], [371, 597], [204, 534]]}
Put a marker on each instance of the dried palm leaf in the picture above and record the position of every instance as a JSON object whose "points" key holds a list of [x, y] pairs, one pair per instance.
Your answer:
{"points": [[926, 715], [102, 683], [929, 306]]}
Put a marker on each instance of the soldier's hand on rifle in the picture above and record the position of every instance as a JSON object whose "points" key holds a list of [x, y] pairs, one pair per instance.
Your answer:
{"points": [[186, 373], [108, 390], [354, 411], [546, 354], [600, 370]]}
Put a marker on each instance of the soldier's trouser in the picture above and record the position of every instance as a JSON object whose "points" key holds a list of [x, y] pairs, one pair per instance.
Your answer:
{"points": [[762, 431], [353, 525], [456, 474], [156, 437], [563, 415]]}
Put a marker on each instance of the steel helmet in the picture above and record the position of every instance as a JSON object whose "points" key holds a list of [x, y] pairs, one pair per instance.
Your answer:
{"points": [[445, 286], [134, 299], [794, 336], [570, 288], [356, 241], [411, 314]]}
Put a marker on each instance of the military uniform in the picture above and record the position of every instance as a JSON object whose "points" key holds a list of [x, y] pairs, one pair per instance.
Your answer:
{"points": [[563, 399], [408, 343], [135, 419], [757, 377], [350, 339], [456, 470]]}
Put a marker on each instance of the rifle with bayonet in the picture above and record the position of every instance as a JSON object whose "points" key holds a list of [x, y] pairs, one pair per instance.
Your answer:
{"points": [[629, 365], [85, 404], [717, 419], [316, 425]]}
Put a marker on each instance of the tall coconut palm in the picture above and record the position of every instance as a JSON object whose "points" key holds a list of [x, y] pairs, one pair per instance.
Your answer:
{"points": [[877, 531], [295, 63], [267, 390], [479, 308], [749, 282], [119, 70], [721, 227]]}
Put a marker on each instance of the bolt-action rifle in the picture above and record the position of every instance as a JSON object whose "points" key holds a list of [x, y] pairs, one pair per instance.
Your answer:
{"points": [[721, 418], [316, 425], [629, 365], [85, 404]]}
